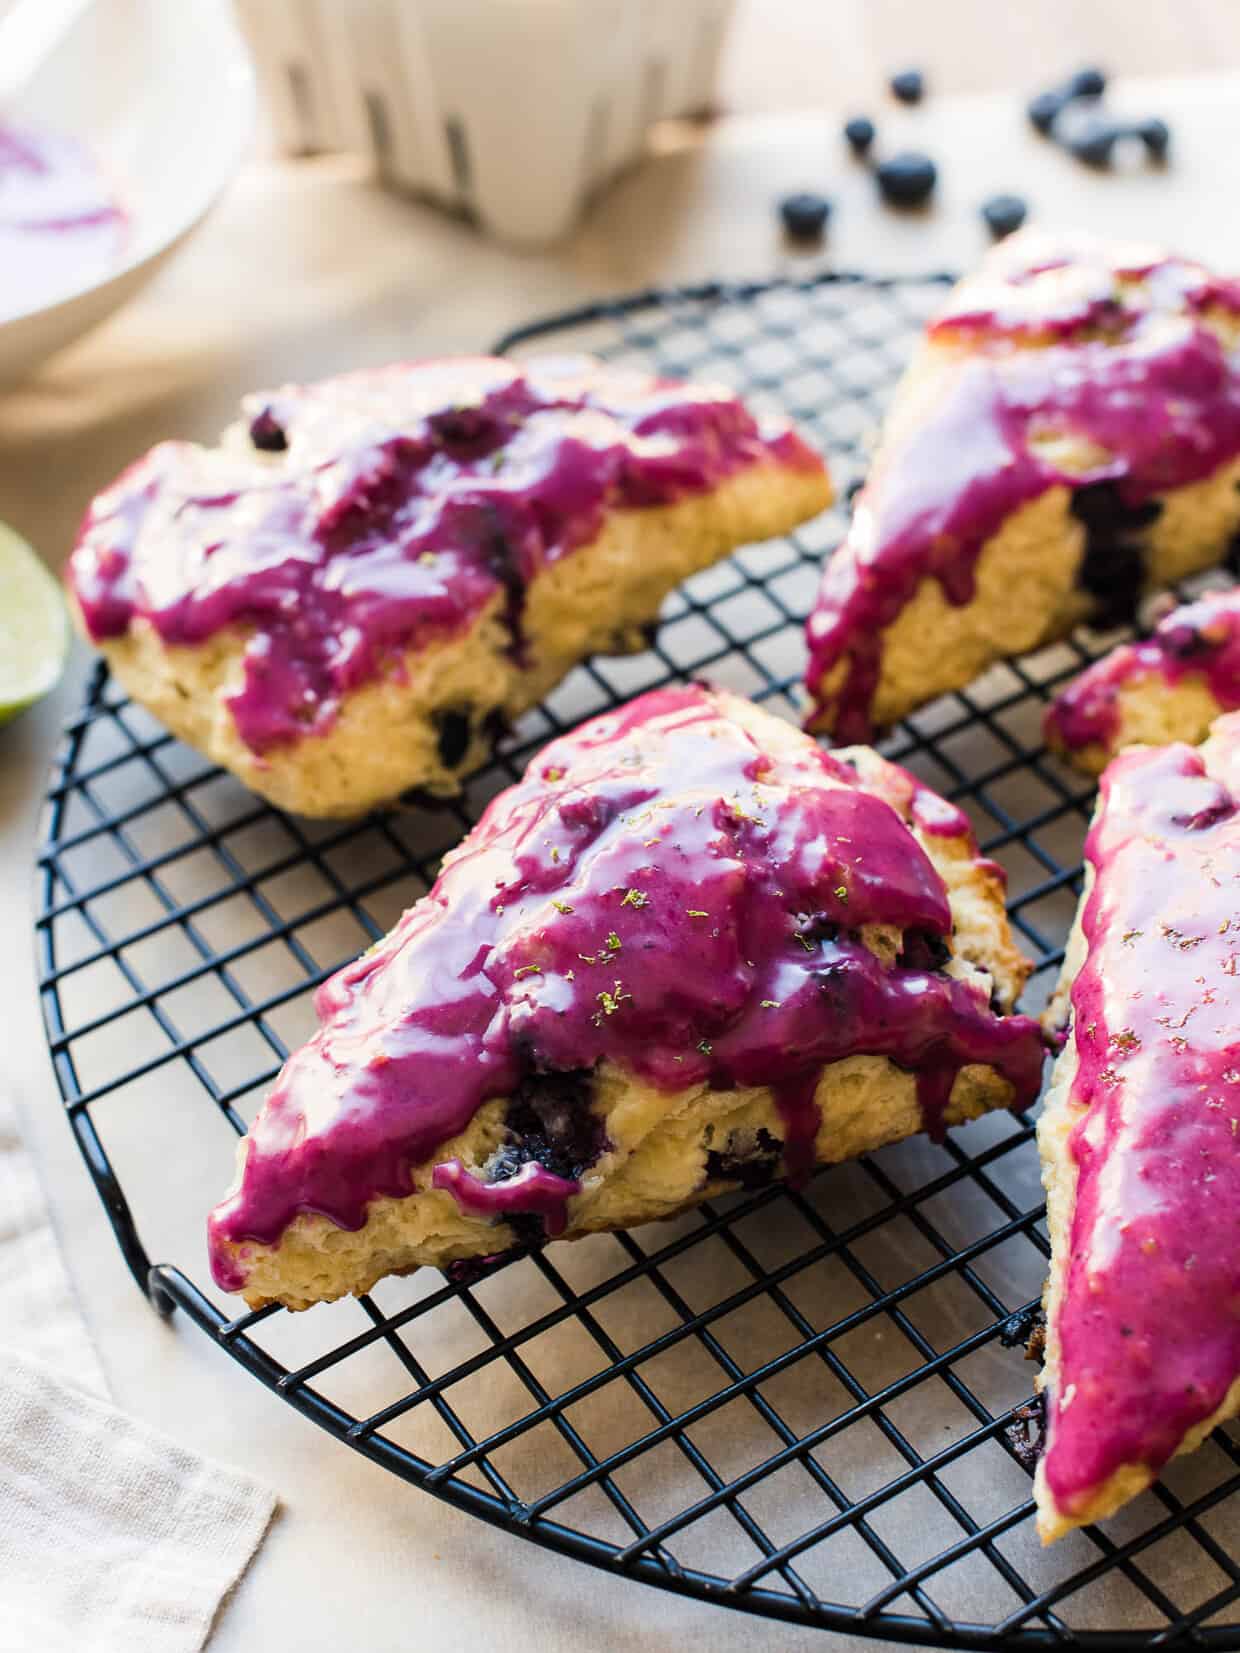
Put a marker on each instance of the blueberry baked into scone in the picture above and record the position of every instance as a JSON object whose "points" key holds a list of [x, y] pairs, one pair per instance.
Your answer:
{"points": [[1066, 438], [1168, 686], [344, 600], [1140, 1137], [688, 952]]}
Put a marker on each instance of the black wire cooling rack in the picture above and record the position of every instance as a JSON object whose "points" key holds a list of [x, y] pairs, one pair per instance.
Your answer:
{"points": [[809, 1405]]}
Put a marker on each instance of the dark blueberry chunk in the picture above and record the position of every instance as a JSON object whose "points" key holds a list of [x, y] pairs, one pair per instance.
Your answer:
{"points": [[853, 489], [753, 1169], [1231, 557], [467, 1271], [1087, 83], [1155, 135], [859, 134], [463, 427], [1004, 214], [1043, 109], [529, 1229], [1112, 571], [909, 86], [1101, 507], [805, 214], [267, 433], [1026, 1434], [452, 734], [923, 950], [1019, 1328], [907, 179], [551, 1121]]}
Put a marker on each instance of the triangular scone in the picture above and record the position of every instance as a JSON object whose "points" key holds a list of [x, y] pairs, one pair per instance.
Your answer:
{"points": [[1169, 686], [370, 576], [689, 951], [1066, 438], [1140, 1137]]}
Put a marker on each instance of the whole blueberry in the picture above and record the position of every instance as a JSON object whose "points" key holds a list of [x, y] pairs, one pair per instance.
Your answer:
{"points": [[1087, 83], [805, 214], [1088, 135], [1155, 135], [906, 179], [909, 86], [859, 134], [1004, 214], [1043, 109]]}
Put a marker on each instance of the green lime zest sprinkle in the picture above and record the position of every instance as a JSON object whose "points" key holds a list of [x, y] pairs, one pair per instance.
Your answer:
{"points": [[528, 970], [805, 942], [695, 912], [841, 892], [705, 1046], [613, 942], [637, 898], [769, 1004], [562, 907], [612, 1001]]}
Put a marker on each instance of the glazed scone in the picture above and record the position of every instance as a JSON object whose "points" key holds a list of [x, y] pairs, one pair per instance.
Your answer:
{"points": [[688, 952], [1140, 1136], [345, 600], [1066, 438], [1168, 686]]}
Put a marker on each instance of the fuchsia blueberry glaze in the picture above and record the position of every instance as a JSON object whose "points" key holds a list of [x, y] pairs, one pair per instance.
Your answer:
{"points": [[1149, 1325], [658, 893], [365, 515], [1200, 640], [1114, 350], [61, 229]]}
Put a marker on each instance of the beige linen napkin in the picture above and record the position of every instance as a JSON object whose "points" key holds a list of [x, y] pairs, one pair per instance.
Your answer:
{"points": [[113, 1538]]}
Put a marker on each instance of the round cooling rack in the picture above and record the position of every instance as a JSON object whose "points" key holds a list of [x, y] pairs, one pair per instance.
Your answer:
{"points": [[807, 1404]]}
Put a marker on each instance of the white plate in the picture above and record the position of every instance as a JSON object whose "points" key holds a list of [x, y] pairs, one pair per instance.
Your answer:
{"points": [[164, 92]]}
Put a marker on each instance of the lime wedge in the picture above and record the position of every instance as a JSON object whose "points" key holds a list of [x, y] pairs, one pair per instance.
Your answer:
{"points": [[34, 628]]}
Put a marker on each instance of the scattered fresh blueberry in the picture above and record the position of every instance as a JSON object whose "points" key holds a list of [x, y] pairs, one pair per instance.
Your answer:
{"points": [[909, 86], [906, 179], [805, 215], [1086, 83], [859, 133], [1004, 214], [1046, 106], [1155, 135], [1089, 136], [1043, 109]]}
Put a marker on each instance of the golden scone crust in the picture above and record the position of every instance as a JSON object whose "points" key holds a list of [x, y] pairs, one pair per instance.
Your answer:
{"points": [[658, 1141], [1026, 587], [1060, 1175]]}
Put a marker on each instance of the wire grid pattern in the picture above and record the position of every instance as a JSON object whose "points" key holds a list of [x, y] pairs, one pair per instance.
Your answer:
{"points": [[803, 1403]]}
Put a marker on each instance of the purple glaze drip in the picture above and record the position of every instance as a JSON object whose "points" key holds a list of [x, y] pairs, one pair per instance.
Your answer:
{"points": [[1200, 640], [366, 515], [1135, 372], [1149, 1324], [533, 1189], [657, 893], [61, 228]]}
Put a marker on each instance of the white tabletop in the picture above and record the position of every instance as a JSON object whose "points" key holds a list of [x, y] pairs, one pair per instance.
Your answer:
{"points": [[307, 269]]}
